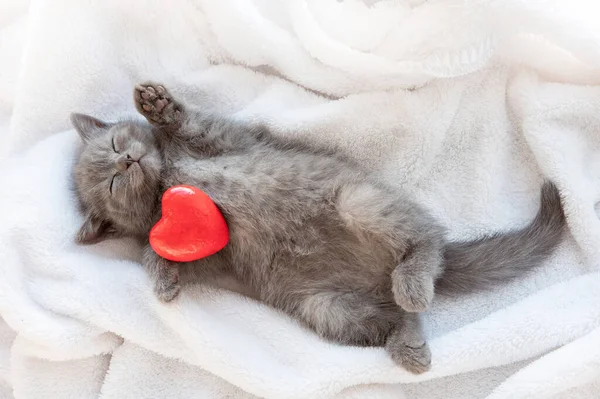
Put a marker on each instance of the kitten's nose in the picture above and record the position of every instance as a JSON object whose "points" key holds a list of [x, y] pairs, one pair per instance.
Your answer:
{"points": [[124, 162]]}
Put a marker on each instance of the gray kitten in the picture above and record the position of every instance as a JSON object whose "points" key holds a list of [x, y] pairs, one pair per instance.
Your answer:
{"points": [[311, 233]]}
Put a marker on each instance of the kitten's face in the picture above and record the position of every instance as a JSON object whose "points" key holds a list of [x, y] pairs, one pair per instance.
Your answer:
{"points": [[117, 178]]}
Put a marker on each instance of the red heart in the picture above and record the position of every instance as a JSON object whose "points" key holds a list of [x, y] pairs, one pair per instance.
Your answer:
{"points": [[191, 226]]}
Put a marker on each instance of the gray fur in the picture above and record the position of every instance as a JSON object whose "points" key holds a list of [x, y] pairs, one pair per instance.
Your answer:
{"points": [[311, 233], [503, 257]]}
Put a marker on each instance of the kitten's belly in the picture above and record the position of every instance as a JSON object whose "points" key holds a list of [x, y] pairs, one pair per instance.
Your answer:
{"points": [[194, 171], [284, 226], [289, 244], [269, 190]]}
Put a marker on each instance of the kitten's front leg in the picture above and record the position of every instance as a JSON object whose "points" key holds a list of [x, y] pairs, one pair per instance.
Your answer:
{"points": [[157, 105], [164, 273], [196, 130]]}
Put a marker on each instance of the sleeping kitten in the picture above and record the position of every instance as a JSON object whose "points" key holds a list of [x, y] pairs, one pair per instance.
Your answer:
{"points": [[311, 233]]}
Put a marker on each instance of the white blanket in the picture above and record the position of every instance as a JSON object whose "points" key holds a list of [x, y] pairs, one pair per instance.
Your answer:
{"points": [[466, 104]]}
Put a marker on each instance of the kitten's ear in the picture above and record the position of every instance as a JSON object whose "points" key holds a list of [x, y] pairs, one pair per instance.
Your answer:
{"points": [[95, 230], [88, 126]]}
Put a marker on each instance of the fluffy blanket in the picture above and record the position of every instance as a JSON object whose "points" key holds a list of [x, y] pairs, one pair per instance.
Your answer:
{"points": [[468, 105]]}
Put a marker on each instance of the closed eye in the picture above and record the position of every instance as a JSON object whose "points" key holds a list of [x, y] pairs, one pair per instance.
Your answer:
{"points": [[113, 144], [112, 182]]}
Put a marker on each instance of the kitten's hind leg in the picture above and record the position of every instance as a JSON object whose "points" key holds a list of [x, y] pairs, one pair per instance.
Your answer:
{"points": [[407, 346], [157, 105], [412, 236], [413, 278], [367, 320]]}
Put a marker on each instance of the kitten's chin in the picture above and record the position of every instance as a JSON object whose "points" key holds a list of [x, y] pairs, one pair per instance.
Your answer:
{"points": [[145, 176], [146, 169], [149, 165]]}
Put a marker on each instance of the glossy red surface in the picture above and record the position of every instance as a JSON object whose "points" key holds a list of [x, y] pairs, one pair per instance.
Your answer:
{"points": [[191, 227]]}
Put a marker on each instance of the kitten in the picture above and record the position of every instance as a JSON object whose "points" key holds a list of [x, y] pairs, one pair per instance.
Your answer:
{"points": [[311, 233]]}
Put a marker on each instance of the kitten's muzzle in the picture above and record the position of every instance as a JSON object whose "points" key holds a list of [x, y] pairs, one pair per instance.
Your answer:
{"points": [[124, 162]]}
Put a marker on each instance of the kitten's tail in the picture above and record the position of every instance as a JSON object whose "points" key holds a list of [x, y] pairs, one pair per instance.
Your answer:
{"points": [[480, 264]]}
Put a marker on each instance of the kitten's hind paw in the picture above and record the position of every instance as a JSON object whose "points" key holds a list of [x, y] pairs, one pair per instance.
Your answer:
{"points": [[412, 293], [406, 345], [416, 359], [156, 104]]}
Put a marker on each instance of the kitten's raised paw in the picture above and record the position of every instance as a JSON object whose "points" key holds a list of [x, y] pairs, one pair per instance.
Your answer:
{"points": [[412, 293], [156, 104], [167, 292], [415, 358]]}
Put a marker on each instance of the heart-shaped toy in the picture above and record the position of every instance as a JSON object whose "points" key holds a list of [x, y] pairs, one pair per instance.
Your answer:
{"points": [[191, 226]]}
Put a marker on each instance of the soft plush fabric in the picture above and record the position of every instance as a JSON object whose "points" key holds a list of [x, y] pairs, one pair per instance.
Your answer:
{"points": [[468, 105]]}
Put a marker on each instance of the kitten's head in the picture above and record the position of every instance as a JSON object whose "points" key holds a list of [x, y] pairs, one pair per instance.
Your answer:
{"points": [[116, 178]]}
